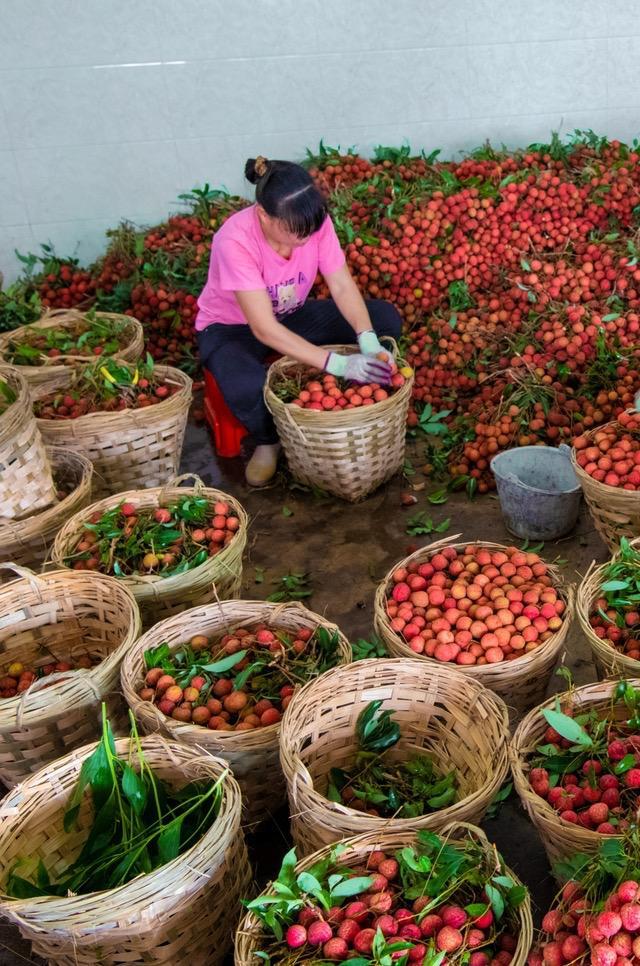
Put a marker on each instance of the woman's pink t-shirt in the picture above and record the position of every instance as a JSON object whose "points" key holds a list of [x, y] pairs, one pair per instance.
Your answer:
{"points": [[243, 261]]}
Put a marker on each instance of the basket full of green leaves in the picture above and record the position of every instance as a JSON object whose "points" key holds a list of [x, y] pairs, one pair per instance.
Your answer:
{"points": [[390, 744], [92, 842], [392, 897], [221, 678], [47, 350], [129, 419], [173, 546]]}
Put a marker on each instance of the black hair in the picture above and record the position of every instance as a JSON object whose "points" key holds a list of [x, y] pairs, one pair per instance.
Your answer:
{"points": [[287, 192]]}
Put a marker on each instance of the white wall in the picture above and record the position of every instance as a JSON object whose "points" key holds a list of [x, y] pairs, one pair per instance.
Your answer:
{"points": [[110, 108]]}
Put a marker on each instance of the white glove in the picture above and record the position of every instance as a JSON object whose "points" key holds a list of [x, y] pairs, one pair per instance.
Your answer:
{"points": [[370, 345], [358, 368]]}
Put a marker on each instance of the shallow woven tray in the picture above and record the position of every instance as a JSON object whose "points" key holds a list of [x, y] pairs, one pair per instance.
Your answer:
{"points": [[217, 578], [60, 614], [26, 480], [28, 541], [55, 374], [348, 453], [464, 726], [253, 755], [131, 448], [522, 682], [560, 838], [250, 937], [182, 912]]}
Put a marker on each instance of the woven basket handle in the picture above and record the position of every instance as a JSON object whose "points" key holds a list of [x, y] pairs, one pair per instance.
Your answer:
{"points": [[39, 683], [294, 426], [37, 584], [198, 483], [392, 342]]}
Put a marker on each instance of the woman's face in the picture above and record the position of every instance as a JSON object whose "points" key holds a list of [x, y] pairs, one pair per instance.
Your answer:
{"points": [[276, 231]]}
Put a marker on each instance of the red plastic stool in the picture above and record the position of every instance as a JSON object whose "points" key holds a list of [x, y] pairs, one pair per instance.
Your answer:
{"points": [[228, 432]]}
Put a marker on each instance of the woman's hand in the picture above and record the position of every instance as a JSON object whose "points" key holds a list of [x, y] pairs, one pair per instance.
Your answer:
{"points": [[370, 346], [358, 368]]}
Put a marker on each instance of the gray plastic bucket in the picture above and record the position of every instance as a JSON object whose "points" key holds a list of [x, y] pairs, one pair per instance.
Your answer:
{"points": [[538, 491]]}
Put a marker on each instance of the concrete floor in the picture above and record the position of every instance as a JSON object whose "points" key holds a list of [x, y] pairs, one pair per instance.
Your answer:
{"points": [[346, 550]]}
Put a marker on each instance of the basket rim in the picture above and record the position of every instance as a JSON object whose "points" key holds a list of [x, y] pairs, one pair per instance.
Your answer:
{"points": [[62, 694], [148, 414], [587, 694], [311, 416], [545, 650], [296, 771], [629, 496], [141, 581], [250, 930], [26, 910], [133, 663], [48, 320]]}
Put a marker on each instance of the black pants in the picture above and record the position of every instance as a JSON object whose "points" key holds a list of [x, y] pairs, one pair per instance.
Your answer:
{"points": [[237, 359]]}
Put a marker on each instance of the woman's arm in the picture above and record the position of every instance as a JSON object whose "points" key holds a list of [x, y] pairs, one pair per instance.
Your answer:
{"points": [[346, 294], [257, 310]]}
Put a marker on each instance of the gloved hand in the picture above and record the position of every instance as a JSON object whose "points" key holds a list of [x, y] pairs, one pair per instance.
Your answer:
{"points": [[370, 345], [358, 368]]}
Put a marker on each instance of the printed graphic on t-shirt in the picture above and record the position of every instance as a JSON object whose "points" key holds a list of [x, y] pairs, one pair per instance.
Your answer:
{"points": [[284, 295]]}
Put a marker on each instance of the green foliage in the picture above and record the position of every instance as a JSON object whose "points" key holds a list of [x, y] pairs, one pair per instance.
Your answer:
{"points": [[294, 586], [405, 788], [139, 823]]}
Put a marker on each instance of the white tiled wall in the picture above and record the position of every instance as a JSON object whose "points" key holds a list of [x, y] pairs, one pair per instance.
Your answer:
{"points": [[108, 108]]}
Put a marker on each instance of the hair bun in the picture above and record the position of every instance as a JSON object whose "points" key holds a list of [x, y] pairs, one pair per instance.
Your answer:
{"points": [[256, 168]]}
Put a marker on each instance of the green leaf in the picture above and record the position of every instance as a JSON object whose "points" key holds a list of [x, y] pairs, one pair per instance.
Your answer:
{"points": [[241, 679], [567, 727], [286, 512], [308, 883], [615, 585], [169, 841], [134, 789], [624, 765], [351, 887], [438, 496], [496, 899], [517, 895], [225, 663], [443, 526]]}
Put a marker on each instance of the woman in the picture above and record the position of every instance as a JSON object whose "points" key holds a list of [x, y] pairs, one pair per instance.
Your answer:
{"points": [[264, 261]]}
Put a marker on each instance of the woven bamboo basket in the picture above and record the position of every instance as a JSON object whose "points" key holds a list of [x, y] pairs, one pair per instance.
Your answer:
{"points": [[55, 616], [55, 374], [348, 453], [521, 683], [253, 755], [131, 448], [250, 938], [218, 578], [560, 838], [460, 723], [615, 512], [26, 480], [28, 541], [609, 661], [182, 912]]}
